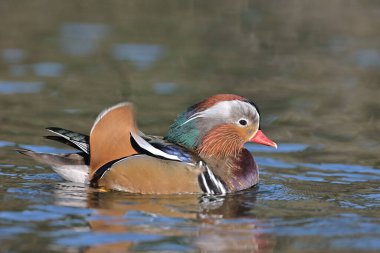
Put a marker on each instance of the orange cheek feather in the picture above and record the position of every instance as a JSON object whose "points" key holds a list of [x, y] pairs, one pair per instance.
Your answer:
{"points": [[222, 141]]}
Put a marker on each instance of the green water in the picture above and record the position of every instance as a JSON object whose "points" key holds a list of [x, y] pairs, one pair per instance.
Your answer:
{"points": [[313, 67]]}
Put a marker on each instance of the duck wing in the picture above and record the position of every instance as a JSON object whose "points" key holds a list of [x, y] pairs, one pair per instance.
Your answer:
{"points": [[68, 137], [114, 135], [148, 175]]}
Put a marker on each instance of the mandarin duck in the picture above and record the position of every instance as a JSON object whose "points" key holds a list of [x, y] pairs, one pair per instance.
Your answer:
{"points": [[203, 151]]}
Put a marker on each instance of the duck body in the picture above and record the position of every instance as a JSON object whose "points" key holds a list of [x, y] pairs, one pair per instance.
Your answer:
{"points": [[202, 152]]}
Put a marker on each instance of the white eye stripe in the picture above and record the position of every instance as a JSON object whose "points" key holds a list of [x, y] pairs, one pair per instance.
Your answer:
{"points": [[226, 110]]}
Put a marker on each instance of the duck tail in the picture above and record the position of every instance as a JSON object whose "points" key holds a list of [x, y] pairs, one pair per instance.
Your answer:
{"points": [[72, 167]]}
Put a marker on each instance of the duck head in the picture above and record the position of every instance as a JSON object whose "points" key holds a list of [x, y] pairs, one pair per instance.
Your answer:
{"points": [[218, 127]]}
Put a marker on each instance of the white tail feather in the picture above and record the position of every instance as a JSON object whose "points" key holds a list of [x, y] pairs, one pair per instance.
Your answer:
{"points": [[73, 173]]}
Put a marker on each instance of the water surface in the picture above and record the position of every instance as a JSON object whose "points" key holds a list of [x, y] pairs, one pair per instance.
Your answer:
{"points": [[312, 67]]}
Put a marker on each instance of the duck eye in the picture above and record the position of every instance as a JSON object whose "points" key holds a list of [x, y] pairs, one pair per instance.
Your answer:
{"points": [[243, 122]]}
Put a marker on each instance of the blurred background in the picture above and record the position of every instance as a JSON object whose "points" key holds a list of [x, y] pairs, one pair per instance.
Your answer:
{"points": [[313, 68]]}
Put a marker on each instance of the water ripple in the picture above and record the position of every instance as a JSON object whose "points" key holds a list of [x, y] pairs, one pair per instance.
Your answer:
{"points": [[282, 148], [46, 149], [143, 56], [275, 163], [82, 39], [6, 144], [13, 55], [48, 69], [11, 87], [349, 224], [83, 239], [352, 168], [28, 215], [66, 210]]}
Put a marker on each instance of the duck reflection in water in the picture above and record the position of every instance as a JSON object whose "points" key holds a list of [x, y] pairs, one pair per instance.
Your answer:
{"points": [[180, 222]]}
